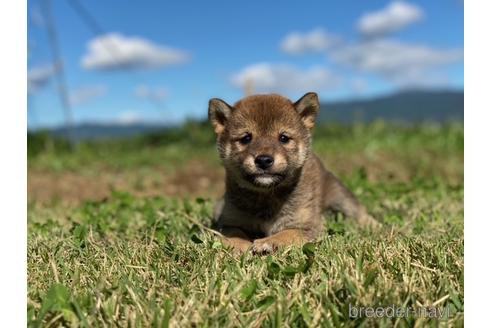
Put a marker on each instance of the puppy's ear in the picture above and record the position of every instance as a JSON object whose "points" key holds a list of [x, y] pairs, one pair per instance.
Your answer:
{"points": [[218, 114], [308, 108]]}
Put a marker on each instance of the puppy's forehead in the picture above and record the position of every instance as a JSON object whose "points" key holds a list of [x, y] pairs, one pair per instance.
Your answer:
{"points": [[266, 112]]}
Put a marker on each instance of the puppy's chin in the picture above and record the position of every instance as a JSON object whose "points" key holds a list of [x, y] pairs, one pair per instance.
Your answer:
{"points": [[257, 181], [265, 180]]}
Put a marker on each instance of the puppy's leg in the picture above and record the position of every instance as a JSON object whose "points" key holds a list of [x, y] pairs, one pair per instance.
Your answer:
{"points": [[283, 238], [236, 238], [339, 199]]}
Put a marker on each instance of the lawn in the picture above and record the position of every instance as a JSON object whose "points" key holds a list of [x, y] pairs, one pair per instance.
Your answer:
{"points": [[118, 235]]}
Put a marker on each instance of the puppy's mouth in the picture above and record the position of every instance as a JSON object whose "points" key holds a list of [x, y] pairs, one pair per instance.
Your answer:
{"points": [[265, 179]]}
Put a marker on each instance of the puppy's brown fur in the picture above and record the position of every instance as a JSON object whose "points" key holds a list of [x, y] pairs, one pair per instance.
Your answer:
{"points": [[276, 188]]}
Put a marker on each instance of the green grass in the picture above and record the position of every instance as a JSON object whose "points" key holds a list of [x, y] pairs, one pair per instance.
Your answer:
{"points": [[152, 261]]}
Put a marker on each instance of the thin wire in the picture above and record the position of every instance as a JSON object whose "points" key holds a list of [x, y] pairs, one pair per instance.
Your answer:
{"points": [[58, 67]]}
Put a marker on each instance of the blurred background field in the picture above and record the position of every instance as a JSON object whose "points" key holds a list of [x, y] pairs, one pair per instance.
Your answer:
{"points": [[182, 161]]}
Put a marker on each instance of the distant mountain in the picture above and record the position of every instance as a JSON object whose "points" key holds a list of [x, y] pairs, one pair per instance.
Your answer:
{"points": [[405, 106], [89, 131]]}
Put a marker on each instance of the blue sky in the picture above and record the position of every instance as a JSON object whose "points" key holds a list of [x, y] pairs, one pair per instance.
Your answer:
{"points": [[160, 61]]}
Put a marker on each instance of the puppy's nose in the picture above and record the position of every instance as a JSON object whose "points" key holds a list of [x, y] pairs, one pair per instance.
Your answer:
{"points": [[263, 161]]}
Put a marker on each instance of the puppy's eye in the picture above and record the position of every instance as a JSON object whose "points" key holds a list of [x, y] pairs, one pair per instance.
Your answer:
{"points": [[246, 139], [284, 139]]}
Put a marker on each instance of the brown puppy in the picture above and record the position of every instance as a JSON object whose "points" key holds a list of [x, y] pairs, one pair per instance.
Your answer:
{"points": [[276, 188]]}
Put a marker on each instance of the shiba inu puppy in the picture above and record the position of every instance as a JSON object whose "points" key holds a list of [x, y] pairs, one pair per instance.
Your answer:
{"points": [[276, 187]]}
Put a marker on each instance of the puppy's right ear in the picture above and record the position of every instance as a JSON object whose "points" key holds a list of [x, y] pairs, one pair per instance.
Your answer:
{"points": [[218, 114]]}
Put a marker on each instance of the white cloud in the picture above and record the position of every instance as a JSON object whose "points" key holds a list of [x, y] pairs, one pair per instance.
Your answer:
{"points": [[266, 77], [394, 17], [158, 93], [39, 77], [115, 51], [83, 95], [395, 61], [359, 85], [129, 117], [317, 40]]}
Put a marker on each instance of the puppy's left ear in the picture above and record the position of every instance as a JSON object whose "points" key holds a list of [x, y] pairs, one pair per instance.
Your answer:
{"points": [[308, 108]]}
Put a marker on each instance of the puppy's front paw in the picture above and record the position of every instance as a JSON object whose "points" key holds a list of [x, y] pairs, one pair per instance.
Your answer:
{"points": [[264, 246], [368, 221], [238, 245]]}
